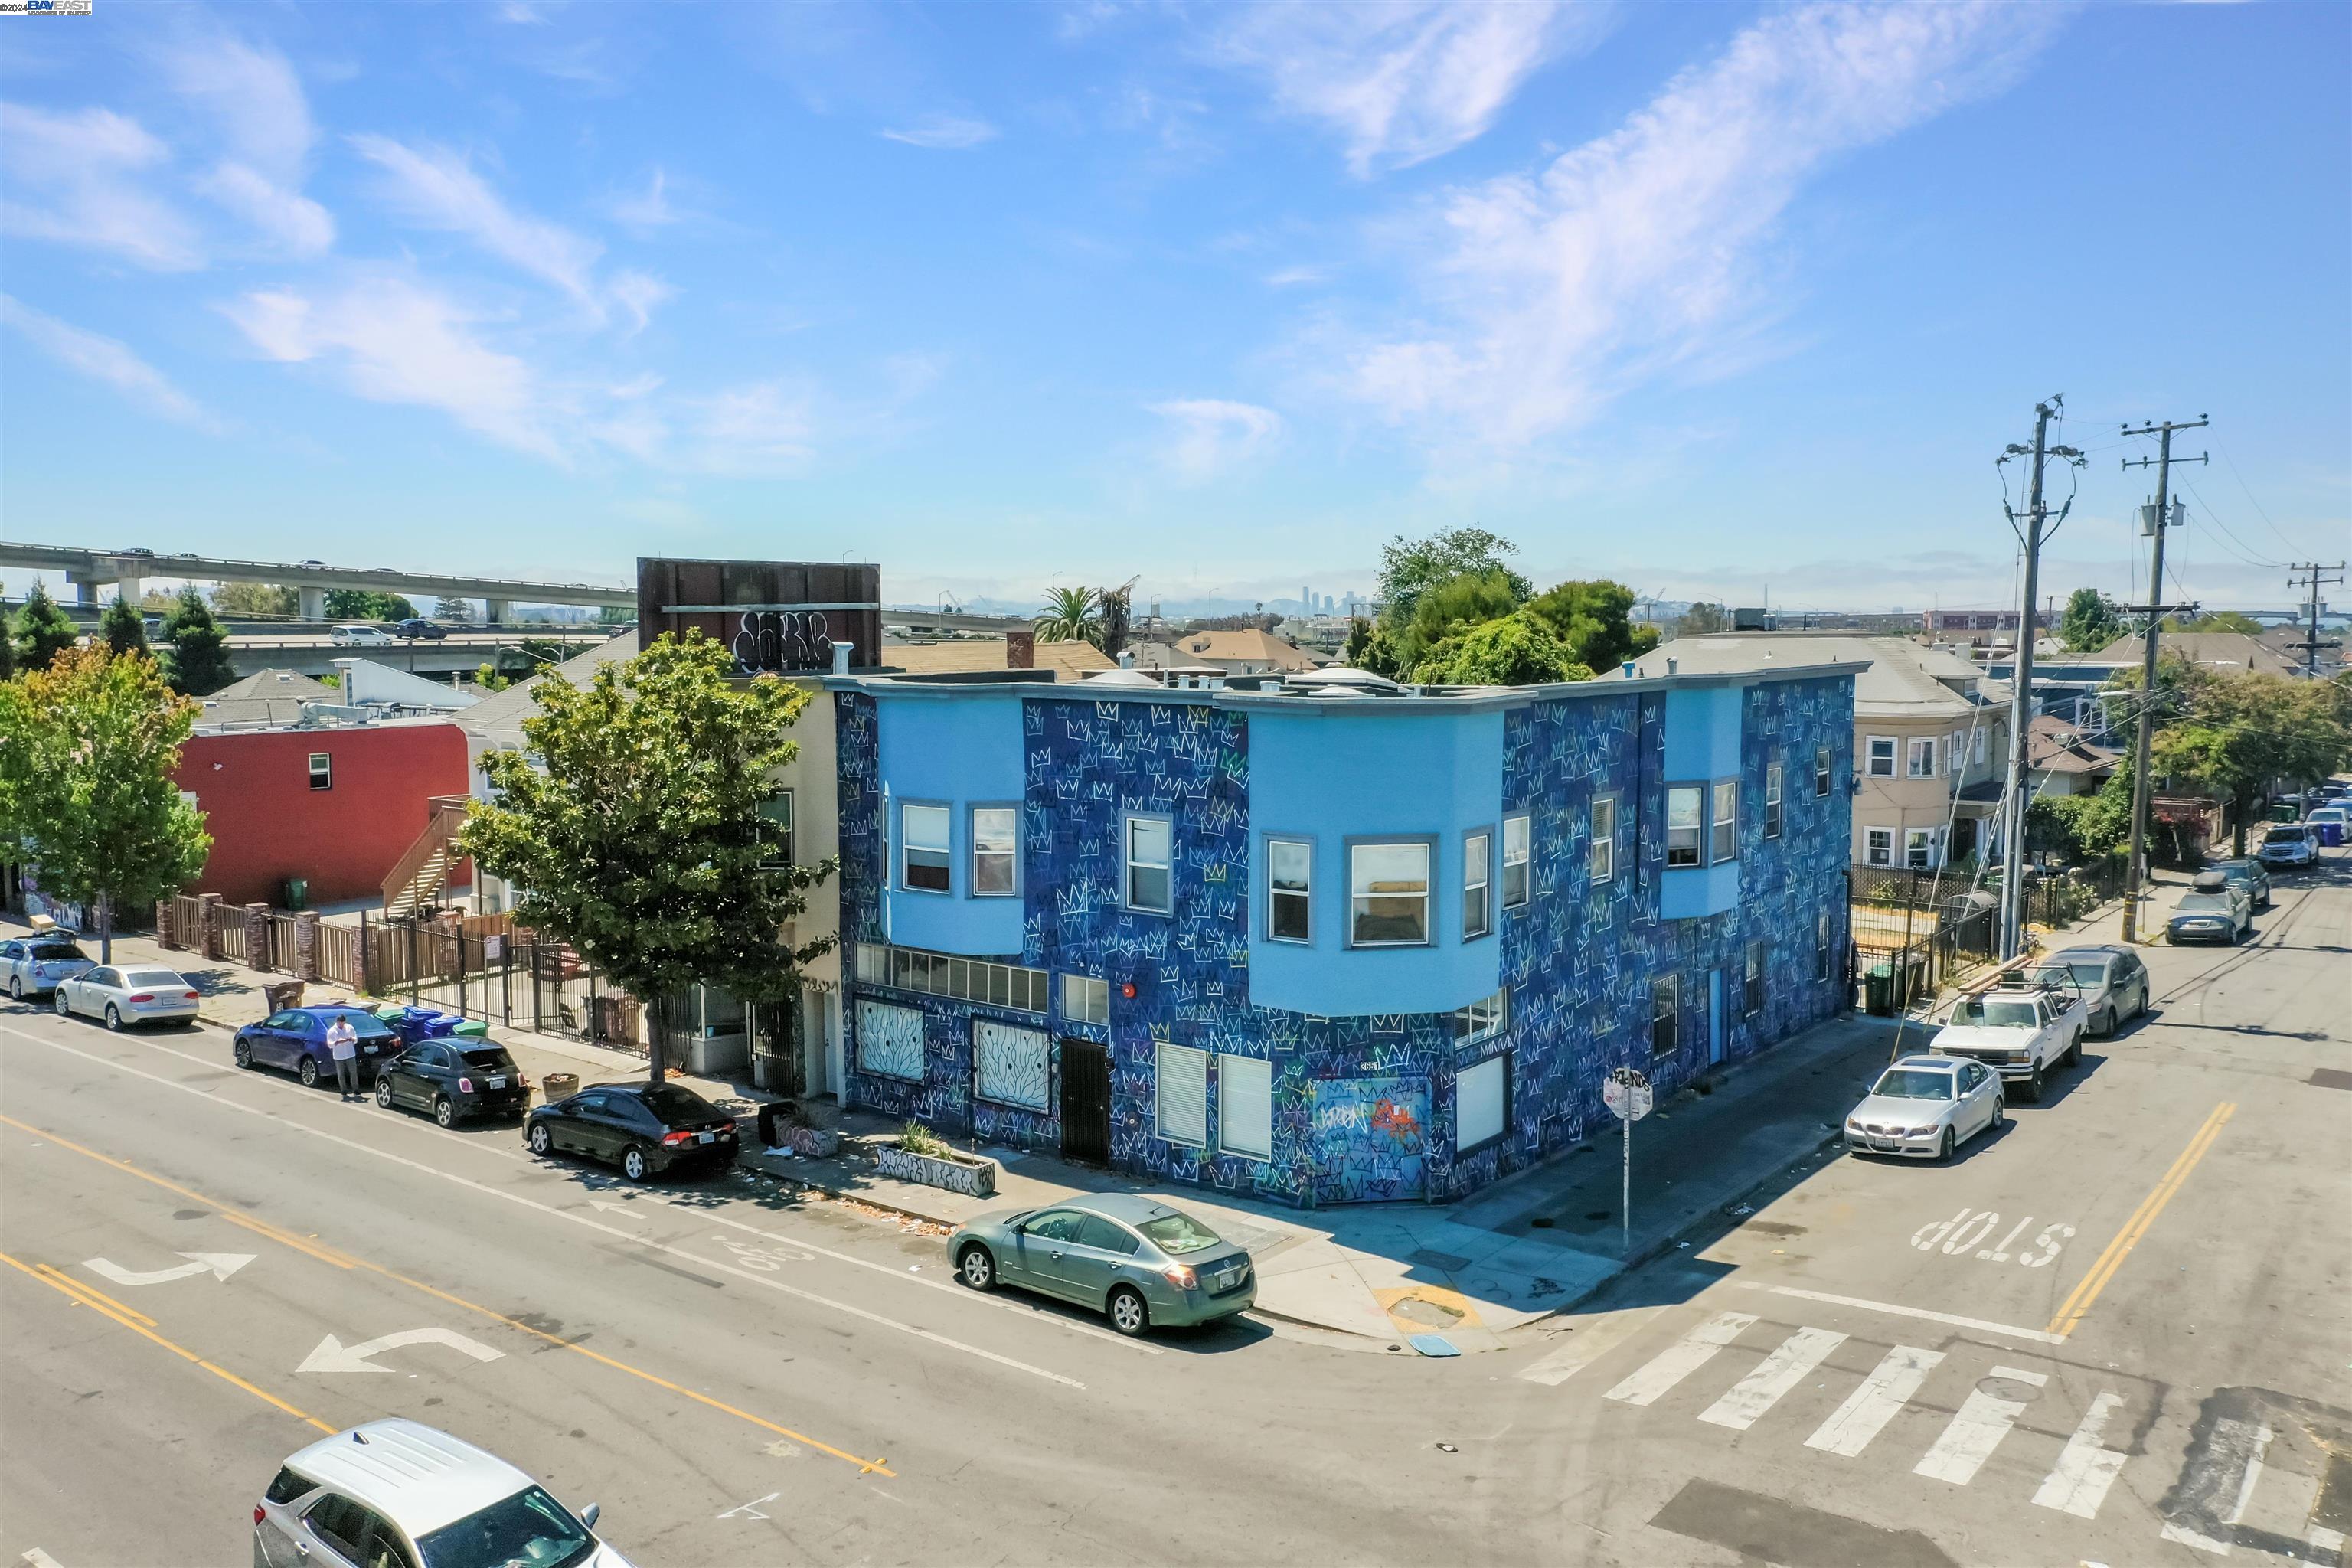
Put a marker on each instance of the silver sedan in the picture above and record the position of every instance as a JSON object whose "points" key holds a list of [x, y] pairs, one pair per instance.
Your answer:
{"points": [[32, 965], [127, 998], [1924, 1108]]}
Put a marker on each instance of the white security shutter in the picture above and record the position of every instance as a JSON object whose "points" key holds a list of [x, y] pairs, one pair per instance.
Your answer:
{"points": [[1478, 1103], [1010, 1065], [890, 1040], [1244, 1106], [1183, 1077]]}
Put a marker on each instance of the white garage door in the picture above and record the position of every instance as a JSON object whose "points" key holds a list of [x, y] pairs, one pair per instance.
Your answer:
{"points": [[1478, 1103]]}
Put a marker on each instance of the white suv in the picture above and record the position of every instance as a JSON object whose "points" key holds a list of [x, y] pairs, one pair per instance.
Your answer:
{"points": [[360, 636], [398, 1494]]}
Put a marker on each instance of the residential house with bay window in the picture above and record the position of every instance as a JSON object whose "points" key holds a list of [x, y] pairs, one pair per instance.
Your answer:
{"points": [[1325, 942], [1930, 736]]}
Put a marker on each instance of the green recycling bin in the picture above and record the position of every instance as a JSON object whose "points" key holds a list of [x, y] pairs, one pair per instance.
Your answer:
{"points": [[298, 892]]}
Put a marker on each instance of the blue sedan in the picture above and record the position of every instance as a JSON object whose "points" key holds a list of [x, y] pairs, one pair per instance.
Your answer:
{"points": [[295, 1038]]}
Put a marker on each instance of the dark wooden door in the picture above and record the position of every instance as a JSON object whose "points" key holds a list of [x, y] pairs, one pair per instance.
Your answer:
{"points": [[1086, 1102]]}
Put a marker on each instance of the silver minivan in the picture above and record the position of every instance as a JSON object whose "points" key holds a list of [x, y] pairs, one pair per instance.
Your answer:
{"points": [[399, 1494]]}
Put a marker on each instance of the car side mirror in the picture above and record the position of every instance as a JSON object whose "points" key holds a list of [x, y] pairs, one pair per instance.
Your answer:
{"points": [[588, 1516]]}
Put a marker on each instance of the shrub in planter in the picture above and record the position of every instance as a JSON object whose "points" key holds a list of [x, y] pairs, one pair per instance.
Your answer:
{"points": [[937, 1165]]}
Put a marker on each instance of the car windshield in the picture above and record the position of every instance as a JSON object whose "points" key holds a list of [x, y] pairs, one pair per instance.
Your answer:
{"points": [[366, 1025], [1996, 1013], [1178, 1234], [2284, 836], [490, 1059], [675, 1105], [2088, 974], [54, 951], [2217, 903], [529, 1530], [1914, 1083], [151, 977]]}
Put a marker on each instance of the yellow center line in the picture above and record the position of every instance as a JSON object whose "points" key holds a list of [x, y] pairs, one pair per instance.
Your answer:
{"points": [[347, 1260], [82, 1295], [92, 1295], [2072, 1312]]}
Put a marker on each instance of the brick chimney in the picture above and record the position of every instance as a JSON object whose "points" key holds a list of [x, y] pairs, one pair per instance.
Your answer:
{"points": [[1021, 650]]}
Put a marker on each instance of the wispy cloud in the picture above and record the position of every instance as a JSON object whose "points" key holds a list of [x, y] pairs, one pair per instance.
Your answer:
{"points": [[764, 429], [1546, 294], [1291, 277], [1209, 438], [76, 179], [254, 96], [437, 188], [1405, 80], [942, 131], [106, 360], [644, 212], [290, 221]]}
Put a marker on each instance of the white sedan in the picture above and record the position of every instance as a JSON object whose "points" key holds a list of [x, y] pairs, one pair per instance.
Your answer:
{"points": [[34, 964], [127, 996]]}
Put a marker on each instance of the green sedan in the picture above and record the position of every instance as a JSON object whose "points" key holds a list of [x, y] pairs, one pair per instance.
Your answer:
{"points": [[1134, 1259]]}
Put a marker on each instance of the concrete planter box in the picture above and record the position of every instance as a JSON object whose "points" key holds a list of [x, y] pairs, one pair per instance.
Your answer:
{"points": [[955, 1172]]}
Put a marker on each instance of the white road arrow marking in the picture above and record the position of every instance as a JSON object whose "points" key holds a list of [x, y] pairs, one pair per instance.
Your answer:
{"points": [[334, 1355], [610, 1208], [220, 1264], [751, 1510]]}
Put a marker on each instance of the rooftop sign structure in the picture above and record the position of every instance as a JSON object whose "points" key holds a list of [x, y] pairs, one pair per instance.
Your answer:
{"points": [[777, 617]]}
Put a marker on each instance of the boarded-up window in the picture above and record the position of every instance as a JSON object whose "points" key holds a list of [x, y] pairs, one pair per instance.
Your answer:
{"points": [[890, 1040], [1010, 1065], [1478, 1103], [1246, 1106], [1183, 1081]]}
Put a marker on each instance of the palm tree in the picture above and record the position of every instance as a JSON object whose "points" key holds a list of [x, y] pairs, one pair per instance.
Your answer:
{"points": [[1070, 616]]}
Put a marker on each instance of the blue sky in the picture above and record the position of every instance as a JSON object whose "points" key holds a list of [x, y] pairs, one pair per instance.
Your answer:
{"points": [[1721, 300]]}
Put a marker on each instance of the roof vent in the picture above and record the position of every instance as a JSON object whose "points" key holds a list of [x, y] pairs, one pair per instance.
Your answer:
{"points": [[841, 652], [1628, 669], [1671, 663]]}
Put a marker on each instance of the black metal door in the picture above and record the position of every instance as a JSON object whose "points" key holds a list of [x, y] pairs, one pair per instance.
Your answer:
{"points": [[1086, 1102]]}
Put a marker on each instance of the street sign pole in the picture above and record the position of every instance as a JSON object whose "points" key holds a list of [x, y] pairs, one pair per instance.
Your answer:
{"points": [[1626, 1195], [1627, 1095]]}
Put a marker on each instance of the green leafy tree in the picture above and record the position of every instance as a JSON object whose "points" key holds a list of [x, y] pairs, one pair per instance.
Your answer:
{"points": [[199, 662], [615, 616], [364, 604], [1519, 649], [87, 749], [1702, 618], [1072, 615], [2091, 621], [123, 627], [269, 600], [2097, 824], [8, 652], [1410, 567], [635, 825], [2220, 621], [457, 611], [44, 630], [1453, 605], [1595, 619], [488, 677], [1368, 649], [2239, 734]]}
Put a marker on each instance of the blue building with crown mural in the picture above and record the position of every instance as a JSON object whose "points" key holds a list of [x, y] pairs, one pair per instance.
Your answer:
{"points": [[1330, 939]]}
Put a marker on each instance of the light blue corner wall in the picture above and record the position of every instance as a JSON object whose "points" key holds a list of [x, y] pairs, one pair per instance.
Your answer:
{"points": [[1336, 776], [1702, 734], [960, 751]]}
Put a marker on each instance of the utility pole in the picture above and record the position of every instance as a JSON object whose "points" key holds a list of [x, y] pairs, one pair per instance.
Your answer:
{"points": [[2311, 643], [2021, 700], [2159, 518]]}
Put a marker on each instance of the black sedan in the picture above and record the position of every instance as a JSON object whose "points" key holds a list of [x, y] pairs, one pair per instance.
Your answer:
{"points": [[418, 626], [454, 1079], [644, 1127]]}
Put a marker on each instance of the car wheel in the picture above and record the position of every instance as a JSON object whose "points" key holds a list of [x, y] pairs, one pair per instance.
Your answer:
{"points": [[307, 1069], [633, 1165], [384, 1092], [2034, 1085], [1946, 1147], [444, 1113], [1131, 1316], [113, 1018], [976, 1268], [243, 1054], [2103, 1023], [2075, 1046], [58, 1000], [538, 1138], [2000, 1116], [16, 989]]}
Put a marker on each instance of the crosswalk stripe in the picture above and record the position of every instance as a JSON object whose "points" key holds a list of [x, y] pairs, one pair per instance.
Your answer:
{"points": [[2087, 1467], [2324, 1540], [1870, 1407], [2229, 1437], [1580, 1348], [1983, 1420], [1681, 1359], [1781, 1371]]}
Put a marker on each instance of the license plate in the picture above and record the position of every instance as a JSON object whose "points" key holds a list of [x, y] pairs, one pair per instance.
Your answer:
{"points": [[705, 1137], [370, 1049], [497, 1083], [1229, 1278]]}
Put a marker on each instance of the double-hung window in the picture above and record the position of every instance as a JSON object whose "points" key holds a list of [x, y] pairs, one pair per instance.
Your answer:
{"points": [[1085, 999], [1955, 757], [1388, 894], [1754, 999], [1771, 800], [1478, 883], [1881, 756], [1289, 890], [1604, 837], [323, 771], [1923, 757], [996, 851], [1724, 843], [1518, 853], [924, 851], [1821, 944], [1244, 1106], [1878, 846], [1685, 844], [1486, 1016], [1182, 1080], [1919, 849], [1822, 771], [1150, 859], [1666, 1015], [776, 831], [1980, 750]]}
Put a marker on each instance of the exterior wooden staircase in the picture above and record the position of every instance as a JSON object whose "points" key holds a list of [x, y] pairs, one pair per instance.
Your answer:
{"points": [[423, 874]]}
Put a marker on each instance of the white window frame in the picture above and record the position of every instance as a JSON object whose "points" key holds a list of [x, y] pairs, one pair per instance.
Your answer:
{"points": [[1184, 1066], [1752, 982], [1922, 840], [1687, 843], [1822, 943], [1128, 865], [1771, 800], [1011, 853], [773, 814], [1672, 986], [1482, 1103], [1956, 756], [1304, 895], [1870, 759], [945, 849], [1085, 1000], [1245, 1089], [1481, 1019], [322, 770], [1604, 837], [1478, 896], [1878, 847], [1919, 757], [1518, 859], [1427, 845], [1978, 748], [1821, 765], [1723, 825]]}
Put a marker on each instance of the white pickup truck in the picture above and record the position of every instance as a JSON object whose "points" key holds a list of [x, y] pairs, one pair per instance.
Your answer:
{"points": [[2021, 1032]]}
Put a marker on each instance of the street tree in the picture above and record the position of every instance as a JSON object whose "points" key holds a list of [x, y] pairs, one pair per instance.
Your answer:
{"points": [[1702, 618], [2239, 734], [1410, 567], [1368, 648], [1072, 615], [2091, 621], [43, 629], [89, 748], [199, 662], [634, 825], [269, 601], [365, 604], [1518, 649], [7, 651], [1455, 604], [457, 611], [123, 627], [1595, 619], [2220, 621]]}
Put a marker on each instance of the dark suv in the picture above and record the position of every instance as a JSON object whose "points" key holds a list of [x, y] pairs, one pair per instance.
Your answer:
{"points": [[296, 1039], [644, 1127], [454, 1079], [418, 626]]}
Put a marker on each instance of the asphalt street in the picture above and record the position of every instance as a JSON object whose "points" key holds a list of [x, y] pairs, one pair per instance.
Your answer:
{"points": [[2119, 1333]]}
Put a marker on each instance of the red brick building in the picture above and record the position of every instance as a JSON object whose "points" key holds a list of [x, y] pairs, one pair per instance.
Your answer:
{"points": [[337, 808]]}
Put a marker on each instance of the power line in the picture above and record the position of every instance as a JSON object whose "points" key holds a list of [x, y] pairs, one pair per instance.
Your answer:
{"points": [[2266, 516], [2235, 545], [2158, 520]]}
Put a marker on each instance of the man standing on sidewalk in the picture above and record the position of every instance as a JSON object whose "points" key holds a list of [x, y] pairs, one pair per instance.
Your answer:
{"points": [[343, 1045]]}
